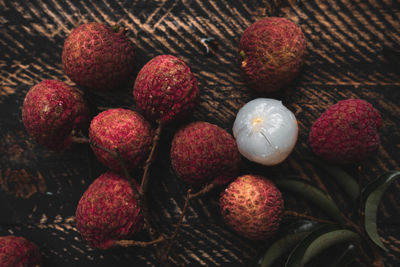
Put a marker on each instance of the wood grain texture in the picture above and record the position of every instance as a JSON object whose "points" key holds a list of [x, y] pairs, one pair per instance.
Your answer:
{"points": [[353, 52]]}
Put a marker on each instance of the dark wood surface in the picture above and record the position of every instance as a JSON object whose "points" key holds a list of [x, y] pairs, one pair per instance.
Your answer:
{"points": [[353, 52]]}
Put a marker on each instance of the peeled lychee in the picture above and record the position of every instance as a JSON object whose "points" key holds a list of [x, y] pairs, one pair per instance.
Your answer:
{"points": [[271, 50], [202, 152], [108, 211], [347, 132], [98, 57], [52, 112], [252, 206], [121, 129], [165, 89], [18, 252], [265, 131]]}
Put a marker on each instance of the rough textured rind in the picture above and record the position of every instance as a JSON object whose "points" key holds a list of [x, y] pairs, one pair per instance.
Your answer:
{"points": [[202, 152], [271, 52], [165, 89], [252, 206], [18, 252], [51, 111], [121, 129], [347, 132], [108, 211], [97, 57]]}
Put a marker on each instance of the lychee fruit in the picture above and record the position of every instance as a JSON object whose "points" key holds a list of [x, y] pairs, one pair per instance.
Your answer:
{"points": [[18, 251], [108, 211], [165, 89], [252, 206], [265, 131], [347, 132], [271, 52], [98, 57], [202, 152], [52, 111], [123, 130]]}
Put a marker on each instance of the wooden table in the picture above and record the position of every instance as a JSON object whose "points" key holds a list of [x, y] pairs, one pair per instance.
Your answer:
{"points": [[353, 52]]}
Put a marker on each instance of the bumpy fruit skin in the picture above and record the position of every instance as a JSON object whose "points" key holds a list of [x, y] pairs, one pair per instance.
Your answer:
{"points": [[108, 211], [121, 129], [202, 152], [18, 252], [252, 206], [52, 111], [97, 57], [347, 132], [165, 89], [271, 52]]}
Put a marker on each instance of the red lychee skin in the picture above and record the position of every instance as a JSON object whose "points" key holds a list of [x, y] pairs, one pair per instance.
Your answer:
{"points": [[17, 251], [121, 129], [347, 132], [108, 211], [97, 57], [252, 206], [165, 89], [202, 152], [271, 51], [52, 111]]}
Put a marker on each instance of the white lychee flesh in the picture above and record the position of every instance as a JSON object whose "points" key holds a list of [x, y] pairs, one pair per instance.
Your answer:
{"points": [[265, 131]]}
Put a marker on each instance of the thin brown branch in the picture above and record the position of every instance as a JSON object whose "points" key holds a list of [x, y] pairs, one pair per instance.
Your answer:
{"points": [[80, 140], [150, 159], [130, 243], [203, 191], [143, 188], [189, 196], [128, 176], [178, 226], [361, 206], [290, 213], [111, 152]]}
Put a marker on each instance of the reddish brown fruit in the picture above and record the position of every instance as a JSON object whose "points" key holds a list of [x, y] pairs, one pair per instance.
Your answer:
{"points": [[165, 89], [252, 206], [18, 252], [347, 132], [52, 111], [98, 57], [202, 152], [108, 211], [271, 50], [121, 129]]}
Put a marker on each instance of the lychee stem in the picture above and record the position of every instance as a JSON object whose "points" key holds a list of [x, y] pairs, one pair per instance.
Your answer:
{"points": [[128, 176], [178, 226], [189, 196], [290, 213], [144, 184], [130, 243]]}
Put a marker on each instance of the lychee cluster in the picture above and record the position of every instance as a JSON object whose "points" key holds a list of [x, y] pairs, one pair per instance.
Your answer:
{"points": [[202, 152], [252, 206], [123, 130], [18, 252], [166, 89], [347, 132], [271, 52], [52, 112], [98, 57], [108, 211]]}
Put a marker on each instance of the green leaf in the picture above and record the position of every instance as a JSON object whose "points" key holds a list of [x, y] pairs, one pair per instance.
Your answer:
{"points": [[345, 180], [347, 257], [313, 194], [372, 195], [280, 247], [318, 241], [297, 253]]}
